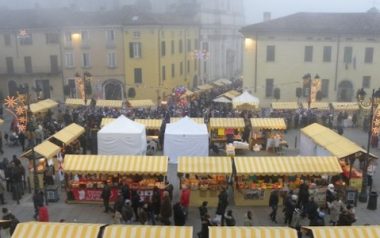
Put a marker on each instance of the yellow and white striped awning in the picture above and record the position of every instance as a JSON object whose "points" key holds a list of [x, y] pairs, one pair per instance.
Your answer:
{"points": [[251, 232], [76, 102], [198, 120], [344, 231], [141, 103], [69, 133], [216, 122], [48, 103], [285, 105], [205, 165], [150, 124], [47, 149], [217, 83], [116, 164], [205, 87], [317, 105], [268, 123], [288, 165], [230, 94], [336, 144], [345, 106], [105, 121], [135, 231], [109, 103], [56, 230]]}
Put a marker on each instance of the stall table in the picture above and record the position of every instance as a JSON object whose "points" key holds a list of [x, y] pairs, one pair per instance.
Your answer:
{"points": [[141, 173], [134, 231], [256, 177], [205, 176], [219, 127], [266, 131]]}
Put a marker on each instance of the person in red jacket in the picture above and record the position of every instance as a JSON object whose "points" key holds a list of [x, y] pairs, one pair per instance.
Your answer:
{"points": [[43, 214], [185, 199]]}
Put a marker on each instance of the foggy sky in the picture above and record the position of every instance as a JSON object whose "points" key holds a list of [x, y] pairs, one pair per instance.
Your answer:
{"points": [[279, 8]]}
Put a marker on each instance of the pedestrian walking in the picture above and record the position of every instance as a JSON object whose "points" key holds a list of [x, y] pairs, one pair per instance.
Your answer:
{"points": [[169, 187], [143, 214], [185, 199], [105, 195], [248, 221], [229, 218], [222, 205], [290, 205], [273, 203], [127, 212], [166, 209], [179, 214], [335, 207], [38, 201], [7, 215], [156, 201], [203, 209], [136, 203]]}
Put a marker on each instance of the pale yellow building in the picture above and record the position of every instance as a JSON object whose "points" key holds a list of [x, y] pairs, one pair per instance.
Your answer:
{"points": [[341, 48]]}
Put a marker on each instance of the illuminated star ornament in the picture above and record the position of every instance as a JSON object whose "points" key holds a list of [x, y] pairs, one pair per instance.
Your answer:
{"points": [[16, 106]]}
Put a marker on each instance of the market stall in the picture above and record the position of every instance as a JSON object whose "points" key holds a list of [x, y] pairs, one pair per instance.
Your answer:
{"points": [[146, 103], [43, 106], [199, 120], [285, 106], [56, 230], [76, 102], [205, 176], [268, 134], [109, 103], [85, 175], [341, 231], [185, 138], [205, 87], [134, 231], [245, 101], [122, 137], [317, 140], [224, 129], [319, 106], [69, 134], [252, 232], [257, 177], [348, 110]]}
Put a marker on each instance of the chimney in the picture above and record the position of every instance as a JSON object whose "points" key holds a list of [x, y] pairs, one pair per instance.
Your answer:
{"points": [[266, 16]]}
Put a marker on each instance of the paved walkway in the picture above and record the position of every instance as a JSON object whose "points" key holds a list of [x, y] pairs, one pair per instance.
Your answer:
{"points": [[94, 213]]}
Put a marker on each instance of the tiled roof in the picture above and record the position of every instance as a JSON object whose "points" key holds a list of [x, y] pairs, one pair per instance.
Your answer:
{"points": [[331, 23]]}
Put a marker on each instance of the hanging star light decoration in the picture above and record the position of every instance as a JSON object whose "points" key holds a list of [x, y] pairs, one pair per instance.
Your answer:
{"points": [[16, 106]]}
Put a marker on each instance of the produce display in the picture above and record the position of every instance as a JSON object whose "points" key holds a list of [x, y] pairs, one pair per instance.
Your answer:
{"points": [[246, 183], [208, 183]]}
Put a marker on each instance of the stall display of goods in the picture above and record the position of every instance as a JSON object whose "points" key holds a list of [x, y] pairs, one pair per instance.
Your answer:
{"points": [[247, 184], [346, 170], [214, 183]]}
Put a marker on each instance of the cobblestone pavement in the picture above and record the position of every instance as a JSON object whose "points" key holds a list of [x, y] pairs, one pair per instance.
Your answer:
{"points": [[94, 213]]}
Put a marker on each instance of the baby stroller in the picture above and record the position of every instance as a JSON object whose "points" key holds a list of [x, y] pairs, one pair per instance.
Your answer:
{"points": [[13, 139]]}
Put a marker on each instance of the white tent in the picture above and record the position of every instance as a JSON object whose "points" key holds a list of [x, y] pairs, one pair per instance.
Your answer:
{"points": [[185, 138], [245, 101], [122, 137]]}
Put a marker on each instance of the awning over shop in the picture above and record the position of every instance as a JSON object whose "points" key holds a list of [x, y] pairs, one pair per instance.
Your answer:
{"points": [[198, 120], [76, 102], [245, 101], [345, 106], [205, 165], [288, 165], [317, 105], [48, 103], [133, 231], [47, 149], [105, 121], [224, 81], [109, 103], [116, 164], [285, 105], [151, 124], [216, 122], [344, 231], [217, 83], [205, 87], [69, 133], [251, 232], [141, 103], [268, 123], [222, 99], [336, 144], [231, 94], [56, 230]]}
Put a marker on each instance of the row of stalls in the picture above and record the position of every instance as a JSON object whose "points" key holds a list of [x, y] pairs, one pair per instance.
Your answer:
{"points": [[110, 103], [255, 177], [264, 133], [317, 140], [79, 230]]}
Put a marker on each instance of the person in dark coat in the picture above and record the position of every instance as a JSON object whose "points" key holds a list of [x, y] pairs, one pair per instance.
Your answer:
{"points": [[118, 205], [136, 203], [179, 215], [229, 218], [127, 211], [156, 201], [38, 201], [206, 223], [273, 203], [106, 194], [303, 195], [203, 209], [290, 206], [222, 204], [21, 139], [311, 210], [125, 192], [166, 209]]}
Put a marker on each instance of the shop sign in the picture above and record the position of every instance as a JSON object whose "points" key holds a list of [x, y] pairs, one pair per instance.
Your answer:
{"points": [[254, 194], [92, 194]]}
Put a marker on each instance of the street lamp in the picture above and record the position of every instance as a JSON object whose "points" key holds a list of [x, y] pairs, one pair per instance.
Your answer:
{"points": [[86, 84], [373, 129]]}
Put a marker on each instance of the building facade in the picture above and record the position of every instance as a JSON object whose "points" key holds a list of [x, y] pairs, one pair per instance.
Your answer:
{"points": [[341, 48]]}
